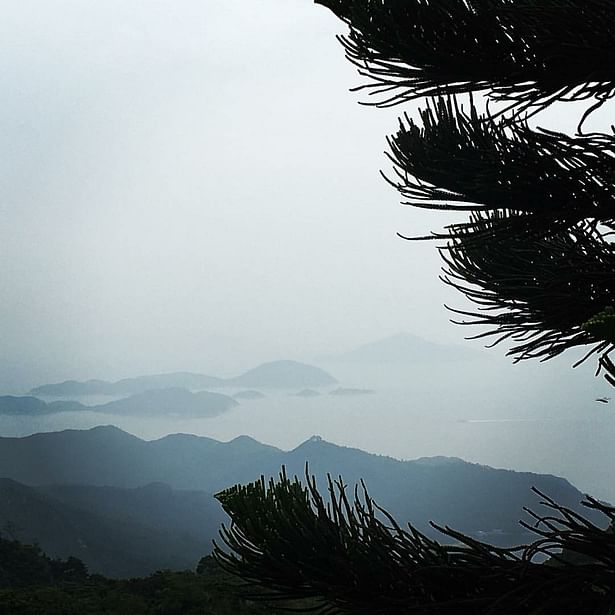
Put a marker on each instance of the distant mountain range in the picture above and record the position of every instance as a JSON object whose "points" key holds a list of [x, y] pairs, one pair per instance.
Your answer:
{"points": [[100, 473], [404, 348], [276, 374], [157, 402]]}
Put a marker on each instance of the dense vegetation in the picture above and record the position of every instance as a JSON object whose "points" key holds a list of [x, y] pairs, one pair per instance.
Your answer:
{"points": [[32, 583]]}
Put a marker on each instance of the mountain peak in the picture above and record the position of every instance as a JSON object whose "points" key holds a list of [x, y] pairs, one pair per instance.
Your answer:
{"points": [[316, 442], [99, 431], [247, 444], [284, 374], [403, 348], [243, 440]]}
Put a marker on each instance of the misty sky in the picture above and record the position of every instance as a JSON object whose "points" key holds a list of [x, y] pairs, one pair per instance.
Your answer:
{"points": [[189, 184]]}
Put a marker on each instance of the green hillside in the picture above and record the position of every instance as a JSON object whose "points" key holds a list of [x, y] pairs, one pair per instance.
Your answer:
{"points": [[31, 583]]}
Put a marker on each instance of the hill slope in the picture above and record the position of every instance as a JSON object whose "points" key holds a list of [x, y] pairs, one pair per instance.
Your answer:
{"points": [[115, 532], [32, 583]]}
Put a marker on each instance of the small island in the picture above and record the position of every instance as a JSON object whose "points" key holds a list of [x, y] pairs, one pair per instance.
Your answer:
{"points": [[249, 394], [345, 391], [307, 393], [158, 402]]}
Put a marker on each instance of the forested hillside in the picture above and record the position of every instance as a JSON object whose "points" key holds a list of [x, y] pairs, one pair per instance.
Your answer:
{"points": [[33, 583]]}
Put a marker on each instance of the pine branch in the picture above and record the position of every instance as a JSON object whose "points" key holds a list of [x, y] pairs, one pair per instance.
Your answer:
{"points": [[527, 52], [355, 558], [540, 293], [457, 161]]}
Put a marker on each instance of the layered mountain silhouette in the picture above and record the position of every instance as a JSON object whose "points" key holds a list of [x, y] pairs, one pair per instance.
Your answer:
{"points": [[100, 471], [403, 348], [276, 374], [157, 402]]}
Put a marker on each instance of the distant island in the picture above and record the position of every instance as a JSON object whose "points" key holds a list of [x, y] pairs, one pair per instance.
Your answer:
{"points": [[307, 393], [404, 348], [32, 406], [341, 391], [249, 394], [170, 402], [283, 375], [274, 375], [157, 402]]}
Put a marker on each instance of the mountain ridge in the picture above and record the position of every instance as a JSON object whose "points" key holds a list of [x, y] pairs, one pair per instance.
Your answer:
{"points": [[470, 497]]}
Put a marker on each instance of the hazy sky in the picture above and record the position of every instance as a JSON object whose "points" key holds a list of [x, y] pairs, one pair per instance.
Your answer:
{"points": [[189, 184]]}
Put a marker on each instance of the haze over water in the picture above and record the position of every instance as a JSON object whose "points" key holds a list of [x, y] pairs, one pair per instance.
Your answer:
{"points": [[551, 424]]}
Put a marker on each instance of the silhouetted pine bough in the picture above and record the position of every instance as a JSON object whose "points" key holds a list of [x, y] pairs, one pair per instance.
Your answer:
{"points": [[535, 254], [458, 161], [545, 294], [530, 191], [523, 51], [352, 557], [606, 364]]}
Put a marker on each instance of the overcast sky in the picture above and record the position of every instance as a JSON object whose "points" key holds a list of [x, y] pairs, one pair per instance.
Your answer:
{"points": [[189, 184]]}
